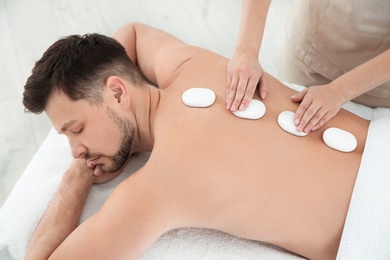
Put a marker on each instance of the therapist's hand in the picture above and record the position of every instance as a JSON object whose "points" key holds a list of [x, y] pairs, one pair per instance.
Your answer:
{"points": [[318, 105], [244, 73]]}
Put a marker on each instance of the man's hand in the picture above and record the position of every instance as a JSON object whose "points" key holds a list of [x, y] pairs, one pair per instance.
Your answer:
{"points": [[244, 73], [80, 169], [101, 176], [318, 105], [78, 175]]}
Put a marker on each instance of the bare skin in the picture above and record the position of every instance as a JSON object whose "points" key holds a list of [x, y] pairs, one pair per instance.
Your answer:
{"points": [[209, 168]]}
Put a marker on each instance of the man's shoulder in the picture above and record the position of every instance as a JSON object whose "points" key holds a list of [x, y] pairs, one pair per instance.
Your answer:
{"points": [[181, 57]]}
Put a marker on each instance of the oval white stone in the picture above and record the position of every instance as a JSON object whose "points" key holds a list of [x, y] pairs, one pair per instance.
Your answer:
{"points": [[286, 122], [255, 110], [198, 97], [339, 139]]}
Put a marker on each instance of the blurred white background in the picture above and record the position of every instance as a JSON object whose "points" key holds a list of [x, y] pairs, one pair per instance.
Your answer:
{"points": [[28, 27]]}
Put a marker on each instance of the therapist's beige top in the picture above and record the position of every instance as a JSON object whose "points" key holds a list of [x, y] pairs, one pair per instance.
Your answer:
{"points": [[333, 36]]}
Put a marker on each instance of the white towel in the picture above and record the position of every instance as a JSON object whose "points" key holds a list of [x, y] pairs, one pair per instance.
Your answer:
{"points": [[366, 232]]}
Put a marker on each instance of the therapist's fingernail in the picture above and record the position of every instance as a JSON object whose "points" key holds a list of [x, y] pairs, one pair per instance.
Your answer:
{"points": [[296, 121], [242, 107], [234, 108]]}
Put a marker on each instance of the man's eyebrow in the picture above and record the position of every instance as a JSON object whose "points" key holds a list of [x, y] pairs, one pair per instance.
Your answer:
{"points": [[67, 125]]}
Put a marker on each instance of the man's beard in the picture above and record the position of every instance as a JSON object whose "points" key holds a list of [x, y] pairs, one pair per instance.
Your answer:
{"points": [[123, 154], [120, 158]]}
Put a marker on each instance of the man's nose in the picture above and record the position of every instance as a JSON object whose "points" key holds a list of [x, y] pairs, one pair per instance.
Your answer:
{"points": [[79, 151]]}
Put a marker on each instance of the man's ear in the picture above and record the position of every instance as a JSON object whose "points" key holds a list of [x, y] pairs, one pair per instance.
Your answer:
{"points": [[117, 89]]}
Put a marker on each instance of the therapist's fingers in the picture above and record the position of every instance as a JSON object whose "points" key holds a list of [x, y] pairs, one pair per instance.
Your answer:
{"points": [[318, 105], [228, 82], [263, 86], [243, 92], [249, 92], [299, 97], [330, 112], [306, 110], [231, 83], [325, 118], [240, 92], [231, 91], [310, 117], [313, 121], [243, 75]]}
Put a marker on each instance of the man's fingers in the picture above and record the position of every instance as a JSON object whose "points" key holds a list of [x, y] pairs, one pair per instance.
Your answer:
{"points": [[98, 171]]}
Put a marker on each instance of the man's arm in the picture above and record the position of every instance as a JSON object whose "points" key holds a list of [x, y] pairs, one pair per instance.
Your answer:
{"points": [[122, 229], [64, 211], [157, 53]]}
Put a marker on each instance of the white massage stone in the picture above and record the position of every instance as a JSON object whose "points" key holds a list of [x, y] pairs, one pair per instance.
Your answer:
{"points": [[286, 122], [255, 110], [198, 97], [339, 139]]}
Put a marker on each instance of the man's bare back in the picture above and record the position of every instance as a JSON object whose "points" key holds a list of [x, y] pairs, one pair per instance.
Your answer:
{"points": [[248, 177]]}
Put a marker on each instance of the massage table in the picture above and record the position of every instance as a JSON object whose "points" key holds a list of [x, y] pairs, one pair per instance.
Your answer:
{"points": [[366, 233]]}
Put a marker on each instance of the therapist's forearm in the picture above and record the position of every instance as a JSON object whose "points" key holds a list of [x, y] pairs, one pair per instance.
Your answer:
{"points": [[364, 77], [252, 24], [62, 216]]}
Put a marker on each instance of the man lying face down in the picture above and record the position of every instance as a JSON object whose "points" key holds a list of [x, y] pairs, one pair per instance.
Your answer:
{"points": [[207, 168]]}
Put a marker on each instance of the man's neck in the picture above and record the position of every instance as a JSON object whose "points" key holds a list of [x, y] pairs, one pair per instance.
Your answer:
{"points": [[144, 107]]}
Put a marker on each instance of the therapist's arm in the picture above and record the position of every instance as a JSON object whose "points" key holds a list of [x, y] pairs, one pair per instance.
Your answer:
{"points": [[244, 71], [321, 103]]}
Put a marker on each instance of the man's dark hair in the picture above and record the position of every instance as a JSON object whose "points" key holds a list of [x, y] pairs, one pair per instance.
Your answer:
{"points": [[78, 66]]}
